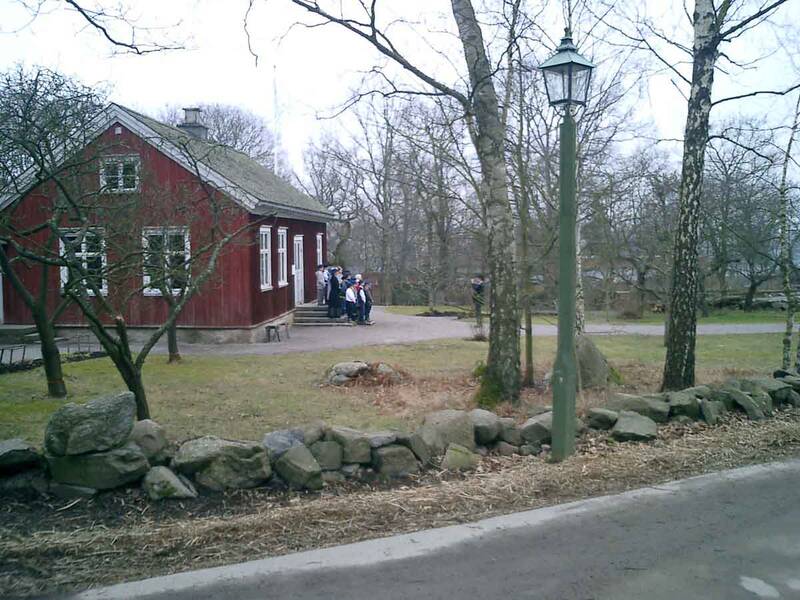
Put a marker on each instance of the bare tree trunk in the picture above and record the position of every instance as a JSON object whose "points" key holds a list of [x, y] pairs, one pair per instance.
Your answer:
{"points": [[749, 296], [502, 378], [580, 307], [340, 252], [682, 330], [785, 244], [172, 344]]}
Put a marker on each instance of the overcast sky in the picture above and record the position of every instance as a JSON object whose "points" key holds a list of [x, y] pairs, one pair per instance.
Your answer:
{"points": [[315, 70]]}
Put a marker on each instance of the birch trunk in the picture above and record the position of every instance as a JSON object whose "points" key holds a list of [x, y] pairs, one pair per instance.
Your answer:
{"points": [[785, 244], [682, 327], [502, 377]]}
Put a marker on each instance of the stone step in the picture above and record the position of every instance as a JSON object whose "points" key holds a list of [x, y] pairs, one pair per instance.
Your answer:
{"points": [[316, 320]]}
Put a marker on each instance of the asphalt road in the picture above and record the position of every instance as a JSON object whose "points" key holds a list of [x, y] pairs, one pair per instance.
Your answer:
{"points": [[728, 536]]}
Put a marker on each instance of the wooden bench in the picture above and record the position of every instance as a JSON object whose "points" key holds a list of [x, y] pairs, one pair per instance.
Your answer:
{"points": [[276, 329]]}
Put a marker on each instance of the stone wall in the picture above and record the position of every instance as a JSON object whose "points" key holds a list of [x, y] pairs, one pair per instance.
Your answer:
{"points": [[99, 445]]}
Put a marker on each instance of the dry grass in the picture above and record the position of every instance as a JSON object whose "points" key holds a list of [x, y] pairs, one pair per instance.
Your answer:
{"points": [[68, 546]]}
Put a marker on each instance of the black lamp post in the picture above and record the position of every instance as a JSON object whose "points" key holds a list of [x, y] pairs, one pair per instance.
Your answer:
{"points": [[566, 78]]}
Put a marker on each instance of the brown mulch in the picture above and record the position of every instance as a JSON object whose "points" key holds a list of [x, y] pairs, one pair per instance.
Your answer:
{"points": [[69, 545]]}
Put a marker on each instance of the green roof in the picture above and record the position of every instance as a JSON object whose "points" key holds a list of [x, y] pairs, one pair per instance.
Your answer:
{"points": [[243, 172]]}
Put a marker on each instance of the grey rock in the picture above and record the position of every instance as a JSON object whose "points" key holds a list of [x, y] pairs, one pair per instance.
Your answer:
{"points": [[353, 471], [313, 432], [683, 403], [764, 401], [592, 365], [327, 454], [161, 483], [486, 424], [338, 379], [333, 477], [460, 458], [711, 410], [725, 396], [792, 380], [71, 492], [355, 444], [481, 450], [298, 468], [388, 374], [746, 403], [633, 427], [778, 390], [100, 470], [529, 450], [99, 425], [17, 455], [278, 442], [237, 467], [415, 443], [698, 391], [682, 420], [510, 431], [348, 370], [394, 461], [601, 418], [381, 438], [505, 449], [152, 439], [654, 409], [539, 410], [445, 427], [794, 399], [28, 483], [538, 430]]}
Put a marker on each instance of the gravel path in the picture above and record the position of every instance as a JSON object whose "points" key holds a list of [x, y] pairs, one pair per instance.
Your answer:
{"points": [[390, 328]]}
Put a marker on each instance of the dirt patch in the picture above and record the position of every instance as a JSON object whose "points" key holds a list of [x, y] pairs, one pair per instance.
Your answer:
{"points": [[71, 545]]}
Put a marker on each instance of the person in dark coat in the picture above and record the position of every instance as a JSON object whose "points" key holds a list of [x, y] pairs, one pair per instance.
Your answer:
{"points": [[334, 306], [367, 302]]}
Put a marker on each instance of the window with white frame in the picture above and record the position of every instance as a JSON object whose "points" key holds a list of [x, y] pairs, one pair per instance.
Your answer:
{"points": [[283, 274], [167, 252], [265, 256], [320, 261], [85, 250], [120, 174]]}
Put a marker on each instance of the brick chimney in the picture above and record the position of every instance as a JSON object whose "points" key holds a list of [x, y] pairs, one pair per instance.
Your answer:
{"points": [[192, 123]]}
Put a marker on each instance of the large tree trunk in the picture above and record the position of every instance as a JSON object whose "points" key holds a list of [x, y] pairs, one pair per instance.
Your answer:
{"points": [[51, 356], [502, 378], [172, 344], [682, 328], [749, 296]]}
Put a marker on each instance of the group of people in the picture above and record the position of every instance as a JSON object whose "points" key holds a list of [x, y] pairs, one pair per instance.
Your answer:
{"points": [[344, 293]]}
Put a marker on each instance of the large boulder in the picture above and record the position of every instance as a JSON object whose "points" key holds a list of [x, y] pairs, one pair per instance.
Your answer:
{"points": [[99, 425], [711, 410], [299, 469], [633, 427], [29, 483], [460, 458], [592, 365], [486, 424], [778, 390], [724, 395], [394, 461], [161, 483], [652, 408], [601, 418], [223, 464], [312, 432], [152, 439], [17, 455], [327, 454], [746, 403], [698, 391], [445, 427], [100, 470], [415, 443], [278, 442], [381, 438], [510, 431], [538, 430], [355, 444], [683, 403]]}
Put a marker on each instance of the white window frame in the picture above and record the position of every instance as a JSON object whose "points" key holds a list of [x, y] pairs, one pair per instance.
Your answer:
{"points": [[320, 260], [265, 257], [165, 232], [120, 160], [84, 255], [283, 264]]}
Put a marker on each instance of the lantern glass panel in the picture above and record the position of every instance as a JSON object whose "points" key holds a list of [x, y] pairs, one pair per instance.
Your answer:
{"points": [[580, 84], [557, 84]]}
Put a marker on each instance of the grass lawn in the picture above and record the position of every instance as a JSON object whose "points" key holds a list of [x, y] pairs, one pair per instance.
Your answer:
{"points": [[717, 317], [243, 397]]}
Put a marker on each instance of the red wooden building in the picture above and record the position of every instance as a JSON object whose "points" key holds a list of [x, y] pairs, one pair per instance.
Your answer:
{"points": [[259, 279]]}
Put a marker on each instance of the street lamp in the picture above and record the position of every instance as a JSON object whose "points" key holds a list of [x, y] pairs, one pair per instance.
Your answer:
{"points": [[566, 79]]}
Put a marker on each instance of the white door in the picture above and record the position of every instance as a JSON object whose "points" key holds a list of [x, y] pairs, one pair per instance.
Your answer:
{"points": [[299, 286]]}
